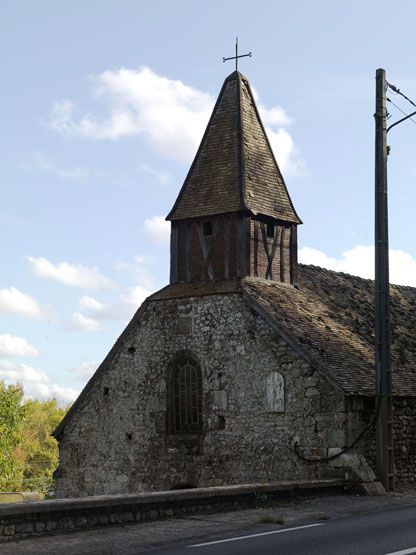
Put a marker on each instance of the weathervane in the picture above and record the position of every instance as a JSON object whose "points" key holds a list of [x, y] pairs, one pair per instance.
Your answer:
{"points": [[236, 55]]}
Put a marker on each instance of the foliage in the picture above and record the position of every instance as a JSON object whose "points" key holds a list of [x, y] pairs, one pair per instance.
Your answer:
{"points": [[38, 449], [11, 419], [29, 455]]}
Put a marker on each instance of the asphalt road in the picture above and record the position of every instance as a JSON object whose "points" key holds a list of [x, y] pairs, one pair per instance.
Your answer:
{"points": [[381, 533]]}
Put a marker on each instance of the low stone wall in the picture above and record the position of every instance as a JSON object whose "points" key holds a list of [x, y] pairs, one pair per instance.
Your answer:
{"points": [[66, 515]]}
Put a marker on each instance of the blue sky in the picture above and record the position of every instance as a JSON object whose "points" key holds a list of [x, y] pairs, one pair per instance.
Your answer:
{"points": [[103, 105]]}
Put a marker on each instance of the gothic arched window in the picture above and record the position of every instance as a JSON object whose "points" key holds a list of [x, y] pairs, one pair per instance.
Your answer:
{"points": [[184, 396]]}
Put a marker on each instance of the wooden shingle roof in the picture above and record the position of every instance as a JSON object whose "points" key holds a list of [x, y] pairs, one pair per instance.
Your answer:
{"points": [[234, 168], [330, 321]]}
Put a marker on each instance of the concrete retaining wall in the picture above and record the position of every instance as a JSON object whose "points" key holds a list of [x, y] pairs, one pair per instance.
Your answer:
{"points": [[65, 515]]}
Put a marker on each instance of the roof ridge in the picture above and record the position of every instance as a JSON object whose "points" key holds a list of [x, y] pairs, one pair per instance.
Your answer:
{"points": [[347, 274], [241, 153]]}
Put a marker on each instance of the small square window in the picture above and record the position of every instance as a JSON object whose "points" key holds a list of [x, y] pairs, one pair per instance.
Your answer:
{"points": [[270, 231], [208, 229]]}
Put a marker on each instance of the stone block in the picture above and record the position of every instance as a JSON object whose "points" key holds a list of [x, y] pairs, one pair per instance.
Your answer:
{"points": [[39, 527], [220, 400], [369, 488], [24, 528], [92, 520], [115, 518], [8, 530], [66, 523], [81, 521]]}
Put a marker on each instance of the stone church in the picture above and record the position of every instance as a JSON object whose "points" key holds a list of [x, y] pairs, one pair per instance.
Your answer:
{"points": [[248, 367]]}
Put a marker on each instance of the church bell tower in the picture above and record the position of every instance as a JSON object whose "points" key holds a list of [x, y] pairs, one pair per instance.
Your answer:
{"points": [[234, 216]]}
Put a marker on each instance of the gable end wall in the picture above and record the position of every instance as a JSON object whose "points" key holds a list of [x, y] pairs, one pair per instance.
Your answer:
{"points": [[118, 442]]}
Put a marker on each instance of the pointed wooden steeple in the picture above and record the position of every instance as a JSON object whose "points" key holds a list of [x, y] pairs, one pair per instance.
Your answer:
{"points": [[234, 200]]}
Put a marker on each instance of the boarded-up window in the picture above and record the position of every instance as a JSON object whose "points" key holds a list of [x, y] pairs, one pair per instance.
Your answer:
{"points": [[275, 392], [184, 396]]}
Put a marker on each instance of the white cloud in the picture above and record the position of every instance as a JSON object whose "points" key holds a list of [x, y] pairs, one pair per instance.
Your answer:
{"points": [[93, 311], [273, 116], [43, 392], [13, 346], [161, 176], [39, 162], [134, 296], [359, 261], [74, 275], [13, 301], [157, 230], [83, 323], [61, 117], [139, 270], [91, 304], [13, 372], [275, 120], [167, 113], [287, 156], [85, 370], [36, 384], [123, 309]]}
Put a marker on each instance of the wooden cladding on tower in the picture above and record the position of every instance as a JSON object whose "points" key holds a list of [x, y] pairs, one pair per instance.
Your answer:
{"points": [[206, 250], [231, 246], [272, 251]]}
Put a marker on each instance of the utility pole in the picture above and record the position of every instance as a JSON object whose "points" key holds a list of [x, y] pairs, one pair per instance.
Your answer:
{"points": [[384, 402]]}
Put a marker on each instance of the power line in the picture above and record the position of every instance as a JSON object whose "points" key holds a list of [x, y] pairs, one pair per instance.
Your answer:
{"points": [[400, 110], [398, 91]]}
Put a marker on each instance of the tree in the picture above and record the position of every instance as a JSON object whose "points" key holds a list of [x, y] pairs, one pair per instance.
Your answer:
{"points": [[38, 449], [11, 420], [28, 452]]}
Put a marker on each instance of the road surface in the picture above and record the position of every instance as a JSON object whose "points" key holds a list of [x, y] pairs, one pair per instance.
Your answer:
{"points": [[391, 532]]}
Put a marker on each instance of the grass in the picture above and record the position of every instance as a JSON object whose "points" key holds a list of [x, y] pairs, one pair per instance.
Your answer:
{"points": [[269, 519]]}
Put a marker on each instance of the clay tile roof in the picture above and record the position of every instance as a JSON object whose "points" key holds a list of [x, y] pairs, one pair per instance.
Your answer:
{"points": [[234, 168], [330, 320]]}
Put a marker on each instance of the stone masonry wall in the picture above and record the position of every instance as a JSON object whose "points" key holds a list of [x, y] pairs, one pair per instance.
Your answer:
{"points": [[117, 441], [404, 436], [404, 410]]}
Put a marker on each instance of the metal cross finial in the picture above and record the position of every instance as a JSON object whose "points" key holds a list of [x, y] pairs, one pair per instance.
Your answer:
{"points": [[236, 55]]}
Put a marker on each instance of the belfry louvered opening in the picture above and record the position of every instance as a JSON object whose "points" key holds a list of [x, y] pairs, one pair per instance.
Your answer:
{"points": [[184, 396]]}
